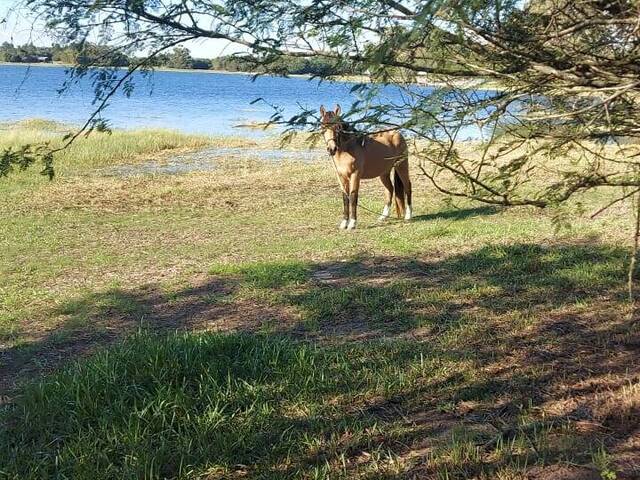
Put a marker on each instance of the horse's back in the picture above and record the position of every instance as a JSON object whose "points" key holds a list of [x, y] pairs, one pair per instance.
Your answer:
{"points": [[389, 144], [382, 151], [391, 139]]}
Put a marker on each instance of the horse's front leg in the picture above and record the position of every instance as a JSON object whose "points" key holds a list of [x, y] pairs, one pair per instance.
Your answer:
{"points": [[345, 211], [354, 187], [344, 185]]}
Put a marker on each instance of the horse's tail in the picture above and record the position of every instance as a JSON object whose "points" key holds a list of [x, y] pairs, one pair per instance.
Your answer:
{"points": [[398, 193]]}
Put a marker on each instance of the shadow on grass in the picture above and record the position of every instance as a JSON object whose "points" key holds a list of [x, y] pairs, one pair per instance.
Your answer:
{"points": [[200, 404], [458, 214], [491, 361]]}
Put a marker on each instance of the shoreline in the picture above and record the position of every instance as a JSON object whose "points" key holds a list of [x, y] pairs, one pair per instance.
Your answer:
{"points": [[423, 81], [157, 69]]}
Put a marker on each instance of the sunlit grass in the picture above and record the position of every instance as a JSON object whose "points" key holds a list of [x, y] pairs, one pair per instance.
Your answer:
{"points": [[105, 148]]}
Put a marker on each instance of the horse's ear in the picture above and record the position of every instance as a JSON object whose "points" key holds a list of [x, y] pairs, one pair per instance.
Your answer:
{"points": [[338, 109], [323, 112]]}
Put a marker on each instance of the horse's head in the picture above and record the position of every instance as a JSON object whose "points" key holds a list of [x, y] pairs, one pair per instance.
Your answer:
{"points": [[332, 128]]}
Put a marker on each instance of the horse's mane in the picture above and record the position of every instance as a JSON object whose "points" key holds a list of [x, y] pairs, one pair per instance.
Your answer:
{"points": [[349, 133], [346, 126]]}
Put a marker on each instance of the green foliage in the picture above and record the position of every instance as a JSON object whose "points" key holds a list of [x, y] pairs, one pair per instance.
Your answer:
{"points": [[180, 57], [602, 462], [23, 157]]}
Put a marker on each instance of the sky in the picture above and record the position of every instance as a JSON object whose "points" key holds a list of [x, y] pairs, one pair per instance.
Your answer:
{"points": [[20, 30]]}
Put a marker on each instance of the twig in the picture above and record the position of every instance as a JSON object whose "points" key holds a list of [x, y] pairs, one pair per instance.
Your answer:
{"points": [[634, 254], [610, 204]]}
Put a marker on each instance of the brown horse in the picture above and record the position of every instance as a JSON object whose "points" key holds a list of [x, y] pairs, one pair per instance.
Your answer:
{"points": [[359, 157]]}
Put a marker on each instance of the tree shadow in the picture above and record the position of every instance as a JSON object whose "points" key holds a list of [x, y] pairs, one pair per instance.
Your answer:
{"points": [[534, 349], [458, 214]]}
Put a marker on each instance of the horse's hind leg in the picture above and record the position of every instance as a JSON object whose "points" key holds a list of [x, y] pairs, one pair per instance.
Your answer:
{"points": [[403, 171], [354, 187], [385, 178]]}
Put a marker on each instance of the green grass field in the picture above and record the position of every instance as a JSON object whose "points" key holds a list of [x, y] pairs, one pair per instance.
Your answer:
{"points": [[217, 325]]}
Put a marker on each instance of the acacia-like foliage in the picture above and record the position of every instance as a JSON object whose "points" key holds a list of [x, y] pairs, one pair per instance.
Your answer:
{"points": [[555, 96], [23, 157]]}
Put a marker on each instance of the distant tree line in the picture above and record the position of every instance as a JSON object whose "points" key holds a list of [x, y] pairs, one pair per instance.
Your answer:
{"points": [[179, 58], [26, 53], [286, 65], [83, 54]]}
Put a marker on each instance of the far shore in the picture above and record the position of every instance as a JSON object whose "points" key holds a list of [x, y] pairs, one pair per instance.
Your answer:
{"points": [[158, 69], [464, 83]]}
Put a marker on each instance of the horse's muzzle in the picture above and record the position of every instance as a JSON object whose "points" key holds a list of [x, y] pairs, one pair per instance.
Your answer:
{"points": [[331, 150]]}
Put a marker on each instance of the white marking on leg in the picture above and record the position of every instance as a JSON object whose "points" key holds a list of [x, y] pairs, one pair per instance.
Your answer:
{"points": [[352, 224], [343, 224], [385, 213], [408, 213]]}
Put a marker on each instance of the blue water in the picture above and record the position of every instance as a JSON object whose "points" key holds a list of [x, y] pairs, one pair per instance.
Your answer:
{"points": [[195, 102]]}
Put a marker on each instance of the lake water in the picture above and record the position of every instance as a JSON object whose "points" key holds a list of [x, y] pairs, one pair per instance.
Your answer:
{"points": [[195, 102]]}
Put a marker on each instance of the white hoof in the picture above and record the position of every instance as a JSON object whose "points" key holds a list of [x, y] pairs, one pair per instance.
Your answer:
{"points": [[408, 214], [343, 224], [385, 213], [351, 225]]}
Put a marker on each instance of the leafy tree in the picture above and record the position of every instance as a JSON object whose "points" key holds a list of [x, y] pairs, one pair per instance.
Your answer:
{"points": [[8, 53], [180, 57], [5, 50], [236, 63], [66, 55], [100, 55]]}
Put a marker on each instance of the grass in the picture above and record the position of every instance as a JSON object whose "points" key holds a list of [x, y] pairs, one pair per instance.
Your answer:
{"points": [[198, 405], [108, 148], [218, 325]]}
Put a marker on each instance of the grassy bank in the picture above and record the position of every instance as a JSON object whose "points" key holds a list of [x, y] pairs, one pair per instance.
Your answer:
{"points": [[105, 149], [218, 325]]}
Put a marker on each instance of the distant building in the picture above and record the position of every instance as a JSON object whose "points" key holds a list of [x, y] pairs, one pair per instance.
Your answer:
{"points": [[33, 58]]}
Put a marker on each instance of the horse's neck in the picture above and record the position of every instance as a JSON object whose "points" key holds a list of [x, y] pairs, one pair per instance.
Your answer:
{"points": [[350, 140]]}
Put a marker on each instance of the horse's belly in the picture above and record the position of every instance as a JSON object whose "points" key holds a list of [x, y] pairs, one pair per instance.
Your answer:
{"points": [[375, 169], [379, 159], [371, 174]]}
